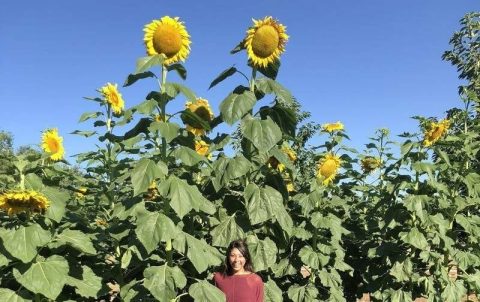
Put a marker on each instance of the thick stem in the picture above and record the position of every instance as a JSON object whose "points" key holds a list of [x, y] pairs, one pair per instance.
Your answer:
{"points": [[163, 110]]}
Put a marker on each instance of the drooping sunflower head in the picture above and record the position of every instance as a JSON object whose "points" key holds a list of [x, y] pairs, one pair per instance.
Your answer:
{"points": [[113, 97], [52, 143], [265, 41], [328, 168], [202, 109], [202, 148], [435, 131], [370, 164], [15, 202], [169, 37], [331, 127]]}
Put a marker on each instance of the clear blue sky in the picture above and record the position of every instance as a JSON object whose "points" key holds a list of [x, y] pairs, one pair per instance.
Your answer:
{"points": [[369, 64]]}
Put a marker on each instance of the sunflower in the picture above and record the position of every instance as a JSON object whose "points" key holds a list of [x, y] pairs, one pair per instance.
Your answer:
{"points": [[14, 202], [169, 37], [289, 152], [290, 186], [202, 148], [152, 192], [435, 131], [202, 109], [370, 164], [275, 164], [331, 127], [113, 97], [328, 168], [265, 41], [53, 143], [81, 192]]}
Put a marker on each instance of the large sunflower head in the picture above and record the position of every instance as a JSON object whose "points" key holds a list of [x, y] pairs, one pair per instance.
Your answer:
{"points": [[52, 143], [169, 37], [328, 168], [113, 97], [202, 109], [435, 131], [331, 127], [15, 202], [370, 164], [265, 41]]}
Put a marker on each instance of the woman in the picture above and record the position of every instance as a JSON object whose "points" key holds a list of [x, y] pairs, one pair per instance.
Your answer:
{"points": [[238, 281]]}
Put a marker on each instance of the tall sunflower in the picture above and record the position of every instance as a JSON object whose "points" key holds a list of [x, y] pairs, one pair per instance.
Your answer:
{"points": [[113, 97], [435, 131], [331, 127], [53, 143], [167, 36], [265, 41], [14, 202], [202, 109], [328, 168]]}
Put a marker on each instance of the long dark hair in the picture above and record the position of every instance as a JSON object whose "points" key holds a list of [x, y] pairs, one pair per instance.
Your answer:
{"points": [[242, 247]]}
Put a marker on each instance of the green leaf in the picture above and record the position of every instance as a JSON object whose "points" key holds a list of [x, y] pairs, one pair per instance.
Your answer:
{"points": [[145, 63], [307, 293], [88, 115], [454, 291], [203, 291], [272, 292], [267, 204], [33, 182], [227, 169], [223, 75], [167, 130], [173, 89], [264, 134], [226, 231], [84, 133], [8, 295], [46, 277], [401, 296], [285, 118], [402, 271], [237, 104], [269, 86], [163, 281], [191, 118], [282, 158], [153, 227], [201, 254], [415, 238], [23, 242], [77, 240], [263, 252], [312, 258], [146, 107], [184, 197], [180, 69], [89, 286], [188, 156], [271, 70], [132, 78], [58, 200], [146, 171]]}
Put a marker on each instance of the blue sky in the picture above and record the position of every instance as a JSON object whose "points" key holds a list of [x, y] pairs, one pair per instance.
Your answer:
{"points": [[370, 64]]}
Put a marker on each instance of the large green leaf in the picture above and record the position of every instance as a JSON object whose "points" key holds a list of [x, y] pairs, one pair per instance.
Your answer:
{"points": [[8, 295], [173, 89], [223, 75], [269, 86], [415, 238], [58, 200], [167, 130], [307, 293], [132, 78], [272, 292], [163, 281], [145, 63], [263, 252], [285, 118], [89, 286], [188, 156], [77, 240], [402, 271], [46, 277], [227, 169], [180, 69], [23, 242], [146, 171], [226, 231], [264, 134], [312, 258], [267, 204], [184, 197], [237, 104], [153, 227], [201, 254], [454, 291], [203, 291]]}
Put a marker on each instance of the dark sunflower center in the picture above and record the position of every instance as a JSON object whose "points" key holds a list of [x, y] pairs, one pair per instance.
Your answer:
{"points": [[203, 113], [167, 40], [265, 41]]}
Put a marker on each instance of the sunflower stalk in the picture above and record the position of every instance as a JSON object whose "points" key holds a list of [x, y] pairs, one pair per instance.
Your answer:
{"points": [[163, 109]]}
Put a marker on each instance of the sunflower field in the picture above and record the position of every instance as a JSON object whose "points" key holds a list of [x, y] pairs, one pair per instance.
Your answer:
{"points": [[149, 214]]}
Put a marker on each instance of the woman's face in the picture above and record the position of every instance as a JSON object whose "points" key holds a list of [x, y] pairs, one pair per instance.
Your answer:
{"points": [[237, 261]]}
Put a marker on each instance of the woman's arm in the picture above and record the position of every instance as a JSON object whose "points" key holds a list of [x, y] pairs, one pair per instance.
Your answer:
{"points": [[259, 291]]}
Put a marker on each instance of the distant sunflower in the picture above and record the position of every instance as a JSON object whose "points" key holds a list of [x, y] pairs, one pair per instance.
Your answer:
{"points": [[81, 192], [331, 127], [435, 131], [328, 168], [370, 164], [113, 97], [167, 36], [290, 186], [275, 164], [202, 148], [289, 152], [265, 41], [15, 202], [202, 109], [52, 143]]}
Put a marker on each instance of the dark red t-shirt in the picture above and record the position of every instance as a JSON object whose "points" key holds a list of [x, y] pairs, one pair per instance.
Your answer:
{"points": [[240, 288]]}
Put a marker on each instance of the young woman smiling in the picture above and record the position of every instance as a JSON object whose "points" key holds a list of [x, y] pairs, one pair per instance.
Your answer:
{"points": [[238, 281]]}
